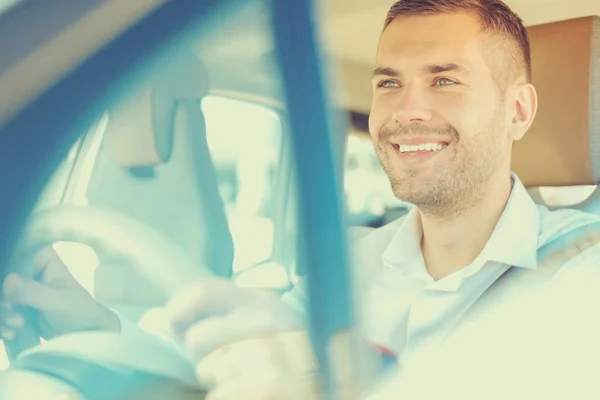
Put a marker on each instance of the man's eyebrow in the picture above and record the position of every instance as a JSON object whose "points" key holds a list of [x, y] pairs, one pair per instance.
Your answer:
{"points": [[430, 69], [387, 71], [439, 68]]}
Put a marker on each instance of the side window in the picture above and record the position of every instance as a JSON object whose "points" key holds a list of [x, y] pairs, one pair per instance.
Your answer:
{"points": [[175, 181], [369, 196], [245, 141], [245, 150], [183, 171], [180, 159]]}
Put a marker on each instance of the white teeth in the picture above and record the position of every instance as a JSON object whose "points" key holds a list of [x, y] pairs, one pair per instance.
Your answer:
{"points": [[422, 147]]}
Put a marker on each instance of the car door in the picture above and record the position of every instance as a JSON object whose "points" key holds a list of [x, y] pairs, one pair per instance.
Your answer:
{"points": [[119, 70]]}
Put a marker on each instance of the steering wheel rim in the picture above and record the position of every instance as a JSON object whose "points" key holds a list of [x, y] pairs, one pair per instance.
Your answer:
{"points": [[103, 365], [110, 233], [117, 235]]}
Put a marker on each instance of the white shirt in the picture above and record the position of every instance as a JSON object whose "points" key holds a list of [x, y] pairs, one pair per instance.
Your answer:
{"points": [[404, 310], [539, 340]]}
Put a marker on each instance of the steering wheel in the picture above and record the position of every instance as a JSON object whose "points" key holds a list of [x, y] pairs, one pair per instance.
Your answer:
{"points": [[111, 234], [104, 365]]}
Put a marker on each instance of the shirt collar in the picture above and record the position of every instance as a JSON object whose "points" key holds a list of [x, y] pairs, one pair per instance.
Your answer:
{"points": [[514, 240], [404, 250]]}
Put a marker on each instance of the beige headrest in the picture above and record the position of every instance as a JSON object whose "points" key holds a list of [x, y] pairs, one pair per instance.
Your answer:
{"points": [[141, 126], [562, 148]]}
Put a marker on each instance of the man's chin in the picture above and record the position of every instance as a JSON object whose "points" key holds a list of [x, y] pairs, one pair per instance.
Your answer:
{"points": [[416, 188], [415, 197], [429, 198]]}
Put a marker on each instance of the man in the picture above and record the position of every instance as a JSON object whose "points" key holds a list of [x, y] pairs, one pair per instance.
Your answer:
{"points": [[452, 92]]}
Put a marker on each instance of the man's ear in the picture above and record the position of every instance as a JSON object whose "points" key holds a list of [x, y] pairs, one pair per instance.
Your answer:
{"points": [[525, 109]]}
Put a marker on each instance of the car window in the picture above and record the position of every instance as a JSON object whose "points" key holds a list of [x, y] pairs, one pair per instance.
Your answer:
{"points": [[171, 163], [246, 151], [244, 168], [369, 196]]}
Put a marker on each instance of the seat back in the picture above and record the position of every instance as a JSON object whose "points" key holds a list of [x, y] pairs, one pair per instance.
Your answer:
{"points": [[154, 164], [562, 147]]}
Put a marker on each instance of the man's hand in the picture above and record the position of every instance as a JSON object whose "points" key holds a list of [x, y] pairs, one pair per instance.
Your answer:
{"points": [[62, 304], [245, 343]]}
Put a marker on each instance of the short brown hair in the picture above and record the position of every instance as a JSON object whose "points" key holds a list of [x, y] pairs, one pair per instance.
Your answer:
{"points": [[495, 17]]}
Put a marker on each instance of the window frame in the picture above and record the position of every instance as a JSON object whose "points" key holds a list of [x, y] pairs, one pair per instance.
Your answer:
{"points": [[281, 253], [55, 119]]}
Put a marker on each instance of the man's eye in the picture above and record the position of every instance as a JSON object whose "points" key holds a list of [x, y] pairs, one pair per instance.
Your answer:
{"points": [[444, 82], [387, 84]]}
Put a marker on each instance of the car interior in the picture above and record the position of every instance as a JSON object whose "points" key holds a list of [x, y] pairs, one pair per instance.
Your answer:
{"points": [[189, 171]]}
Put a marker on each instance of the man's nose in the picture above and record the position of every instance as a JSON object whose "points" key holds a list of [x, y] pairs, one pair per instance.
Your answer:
{"points": [[412, 106]]}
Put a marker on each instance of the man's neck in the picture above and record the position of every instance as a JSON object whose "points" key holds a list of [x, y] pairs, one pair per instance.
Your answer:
{"points": [[451, 244]]}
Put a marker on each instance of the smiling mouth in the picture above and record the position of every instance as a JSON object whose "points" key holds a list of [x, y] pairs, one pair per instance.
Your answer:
{"points": [[420, 148]]}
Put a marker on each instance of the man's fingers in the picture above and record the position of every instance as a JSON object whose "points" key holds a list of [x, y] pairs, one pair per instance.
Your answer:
{"points": [[211, 333], [49, 267], [44, 258], [211, 297], [195, 301], [256, 358], [207, 335], [295, 387], [215, 368], [26, 292], [10, 321], [247, 389]]}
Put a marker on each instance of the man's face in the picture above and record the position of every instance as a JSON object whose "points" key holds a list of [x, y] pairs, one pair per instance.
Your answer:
{"points": [[439, 122]]}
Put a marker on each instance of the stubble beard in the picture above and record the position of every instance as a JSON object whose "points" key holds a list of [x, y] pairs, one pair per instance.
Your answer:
{"points": [[458, 185]]}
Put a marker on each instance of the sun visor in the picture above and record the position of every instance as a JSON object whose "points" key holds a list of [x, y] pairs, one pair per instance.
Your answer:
{"points": [[562, 148], [140, 127]]}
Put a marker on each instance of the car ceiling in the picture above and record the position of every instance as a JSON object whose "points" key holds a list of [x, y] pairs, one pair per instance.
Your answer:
{"points": [[351, 28]]}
